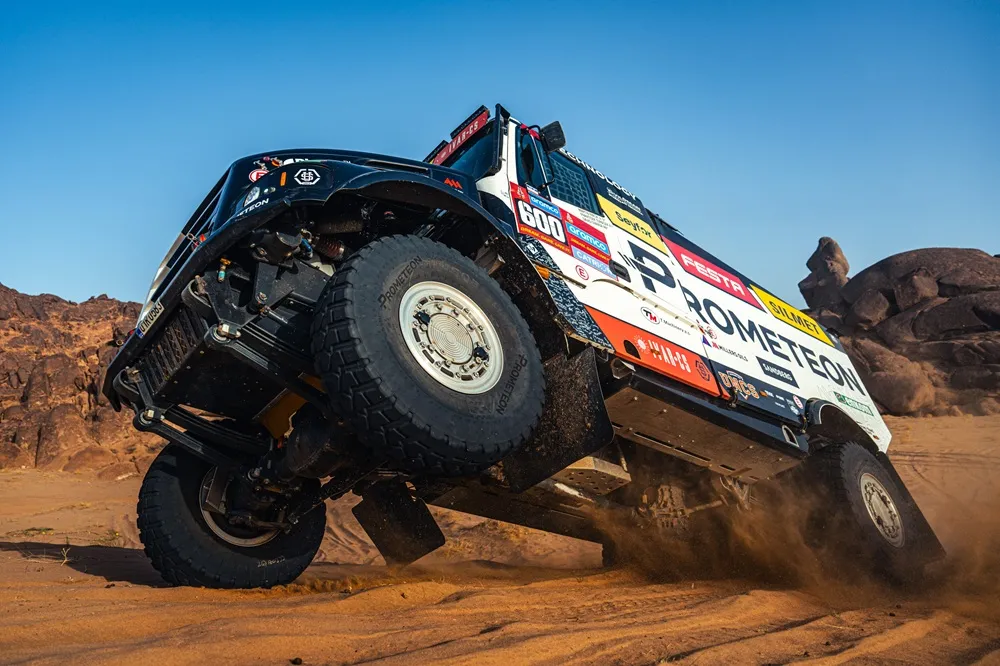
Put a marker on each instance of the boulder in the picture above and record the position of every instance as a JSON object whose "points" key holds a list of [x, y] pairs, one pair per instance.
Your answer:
{"points": [[829, 267], [870, 309], [922, 326], [956, 271], [962, 315], [915, 288]]}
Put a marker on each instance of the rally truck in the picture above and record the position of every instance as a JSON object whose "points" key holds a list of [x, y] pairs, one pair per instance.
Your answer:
{"points": [[499, 329]]}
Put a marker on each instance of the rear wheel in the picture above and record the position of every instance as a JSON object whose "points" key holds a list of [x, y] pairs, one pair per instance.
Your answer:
{"points": [[190, 545], [427, 357], [864, 517]]}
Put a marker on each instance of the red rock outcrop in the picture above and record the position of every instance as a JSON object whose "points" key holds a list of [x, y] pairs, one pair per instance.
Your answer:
{"points": [[53, 357], [923, 326]]}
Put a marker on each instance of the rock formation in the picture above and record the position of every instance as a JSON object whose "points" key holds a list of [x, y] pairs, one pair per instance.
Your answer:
{"points": [[923, 326], [53, 357]]}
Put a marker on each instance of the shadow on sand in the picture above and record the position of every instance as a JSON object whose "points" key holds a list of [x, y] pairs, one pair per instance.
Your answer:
{"points": [[112, 563]]}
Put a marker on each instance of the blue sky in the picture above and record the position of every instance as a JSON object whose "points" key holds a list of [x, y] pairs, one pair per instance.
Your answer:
{"points": [[755, 127]]}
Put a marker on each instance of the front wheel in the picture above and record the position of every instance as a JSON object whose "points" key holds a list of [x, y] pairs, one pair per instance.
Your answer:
{"points": [[190, 545], [865, 518], [427, 357]]}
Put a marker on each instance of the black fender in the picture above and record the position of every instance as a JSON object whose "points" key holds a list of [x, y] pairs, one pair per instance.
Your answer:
{"points": [[826, 423], [535, 268]]}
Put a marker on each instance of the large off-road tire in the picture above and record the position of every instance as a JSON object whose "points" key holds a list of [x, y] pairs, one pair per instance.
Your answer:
{"points": [[189, 546], [427, 358], [864, 518]]}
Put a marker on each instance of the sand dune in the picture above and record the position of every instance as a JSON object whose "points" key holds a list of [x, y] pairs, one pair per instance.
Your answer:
{"points": [[73, 587]]}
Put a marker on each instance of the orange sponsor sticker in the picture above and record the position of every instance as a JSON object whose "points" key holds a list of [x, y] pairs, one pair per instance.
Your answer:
{"points": [[655, 353]]}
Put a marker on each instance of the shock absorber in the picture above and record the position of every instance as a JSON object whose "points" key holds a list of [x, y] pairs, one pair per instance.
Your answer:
{"points": [[331, 248]]}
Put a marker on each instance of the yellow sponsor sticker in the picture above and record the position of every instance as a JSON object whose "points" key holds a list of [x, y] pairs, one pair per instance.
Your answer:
{"points": [[631, 223], [791, 315]]}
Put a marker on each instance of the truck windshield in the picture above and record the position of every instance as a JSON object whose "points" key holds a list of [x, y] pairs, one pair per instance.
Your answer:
{"points": [[475, 156]]}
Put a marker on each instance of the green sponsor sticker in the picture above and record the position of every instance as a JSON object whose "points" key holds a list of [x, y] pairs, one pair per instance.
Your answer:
{"points": [[853, 404]]}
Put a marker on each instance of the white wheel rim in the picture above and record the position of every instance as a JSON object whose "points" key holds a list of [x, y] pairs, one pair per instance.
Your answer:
{"points": [[882, 510], [211, 519], [451, 337]]}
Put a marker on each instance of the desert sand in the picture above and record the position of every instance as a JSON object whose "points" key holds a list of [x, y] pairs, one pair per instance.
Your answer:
{"points": [[76, 587]]}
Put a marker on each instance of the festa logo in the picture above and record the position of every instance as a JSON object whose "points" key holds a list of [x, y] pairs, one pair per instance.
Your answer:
{"points": [[708, 272]]}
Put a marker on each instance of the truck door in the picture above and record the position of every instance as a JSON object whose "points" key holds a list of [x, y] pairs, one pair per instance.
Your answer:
{"points": [[600, 238]]}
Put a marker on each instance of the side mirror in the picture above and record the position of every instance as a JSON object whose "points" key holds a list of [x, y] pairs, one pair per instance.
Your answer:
{"points": [[552, 137]]}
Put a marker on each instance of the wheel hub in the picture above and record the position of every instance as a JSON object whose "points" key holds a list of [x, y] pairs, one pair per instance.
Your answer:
{"points": [[882, 510], [450, 337], [237, 535]]}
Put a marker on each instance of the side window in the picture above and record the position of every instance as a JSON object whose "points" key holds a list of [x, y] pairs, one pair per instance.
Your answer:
{"points": [[570, 183], [529, 169]]}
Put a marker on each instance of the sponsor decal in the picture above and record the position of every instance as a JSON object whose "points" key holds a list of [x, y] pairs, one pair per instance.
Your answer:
{"points": [[461, 137], [582, 272], [593, 219], [654, 352], [253, 206], [592, 261], [761, 394], [702, 369], [775, 371], [451, 182], [626, 202], [772, 343], [537, 222], [631, 223], [650, 315], [508, 387], [149, 319], [307, 176], [853, 404], [650, 266], [732, 352], [586, 237], [399, 282], [708, 272], [265, 164], [792, 316], [252, 196], [735, 382], [545, 205]]}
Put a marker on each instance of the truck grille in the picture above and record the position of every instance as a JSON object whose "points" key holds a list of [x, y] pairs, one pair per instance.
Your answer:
{"points": [[172, 348]]}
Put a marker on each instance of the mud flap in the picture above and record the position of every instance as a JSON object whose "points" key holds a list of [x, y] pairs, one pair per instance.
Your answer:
{"points": [[574, 422], [927, 547], [399, 524]]}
